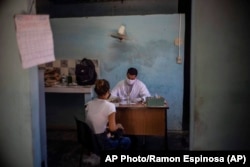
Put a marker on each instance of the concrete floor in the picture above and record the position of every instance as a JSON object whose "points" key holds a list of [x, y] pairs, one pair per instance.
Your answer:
{"points": [[64, 150]]}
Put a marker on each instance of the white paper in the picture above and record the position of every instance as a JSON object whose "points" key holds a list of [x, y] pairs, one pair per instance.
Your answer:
{"points": [[34, 39]]}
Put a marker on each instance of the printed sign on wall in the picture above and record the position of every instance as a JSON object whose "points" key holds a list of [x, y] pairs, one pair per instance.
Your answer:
{"points": [[34, 39]]}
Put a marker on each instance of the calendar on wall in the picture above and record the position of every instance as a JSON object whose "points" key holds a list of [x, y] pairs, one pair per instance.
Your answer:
{"points": [[34, 39]]}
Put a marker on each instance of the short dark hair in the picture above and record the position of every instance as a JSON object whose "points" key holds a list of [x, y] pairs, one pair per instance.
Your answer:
{"points": [[132, 71], [101, 87]]}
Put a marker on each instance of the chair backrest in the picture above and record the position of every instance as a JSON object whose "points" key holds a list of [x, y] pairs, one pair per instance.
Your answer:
{"points": [[86, 137]]}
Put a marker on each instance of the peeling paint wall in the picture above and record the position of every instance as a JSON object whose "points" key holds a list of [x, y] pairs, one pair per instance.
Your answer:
{"points": [[150, 48]]}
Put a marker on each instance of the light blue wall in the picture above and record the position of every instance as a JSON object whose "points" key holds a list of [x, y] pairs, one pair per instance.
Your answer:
{"points": [[19, 97], [150, 48]]}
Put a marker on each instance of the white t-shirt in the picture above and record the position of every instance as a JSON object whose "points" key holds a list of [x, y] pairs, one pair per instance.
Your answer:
{"points": [[137, 90], [97, 112]]}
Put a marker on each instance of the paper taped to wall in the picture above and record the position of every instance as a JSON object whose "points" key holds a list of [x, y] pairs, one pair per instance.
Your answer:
{"points": [[34, 39]]}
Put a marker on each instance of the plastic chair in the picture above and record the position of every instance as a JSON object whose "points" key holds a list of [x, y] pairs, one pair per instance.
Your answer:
{"points": [[87, 139]]}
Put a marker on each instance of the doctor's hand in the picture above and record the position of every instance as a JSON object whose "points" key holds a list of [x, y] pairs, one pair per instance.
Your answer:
{"points": [[136, 100], [114, 100]]}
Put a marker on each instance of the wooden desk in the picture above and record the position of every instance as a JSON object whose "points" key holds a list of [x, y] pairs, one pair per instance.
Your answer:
{"points": [[138, 119]]}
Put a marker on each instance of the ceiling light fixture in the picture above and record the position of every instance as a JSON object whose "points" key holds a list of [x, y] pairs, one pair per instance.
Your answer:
{"points": [[121, 34]]}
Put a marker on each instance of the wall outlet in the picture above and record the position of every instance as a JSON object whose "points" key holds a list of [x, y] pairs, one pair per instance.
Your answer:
{"points": [[177, 41], [179, 60]]}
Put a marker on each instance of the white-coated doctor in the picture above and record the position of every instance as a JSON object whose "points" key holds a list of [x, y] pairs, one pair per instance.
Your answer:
{"points": [[130, 89]]}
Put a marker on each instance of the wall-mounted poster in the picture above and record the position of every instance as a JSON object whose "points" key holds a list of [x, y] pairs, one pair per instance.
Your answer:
{"points": [[34, 39]]}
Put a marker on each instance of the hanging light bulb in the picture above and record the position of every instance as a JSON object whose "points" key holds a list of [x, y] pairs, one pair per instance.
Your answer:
{"points": [[121, 34], [121, 30]]}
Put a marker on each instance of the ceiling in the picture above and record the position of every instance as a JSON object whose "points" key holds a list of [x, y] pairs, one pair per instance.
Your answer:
{"points": [[87, 8]]}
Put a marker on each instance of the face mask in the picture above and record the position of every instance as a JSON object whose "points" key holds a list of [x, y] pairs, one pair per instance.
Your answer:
{"points": [[130, 82]]}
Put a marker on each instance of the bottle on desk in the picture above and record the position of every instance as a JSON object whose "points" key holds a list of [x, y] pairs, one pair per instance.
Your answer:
{"points": [[128, 99], [64, 79], [69, 79]]}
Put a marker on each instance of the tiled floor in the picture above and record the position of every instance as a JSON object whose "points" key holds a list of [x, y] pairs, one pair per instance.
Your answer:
{"points": [[63, 149]]}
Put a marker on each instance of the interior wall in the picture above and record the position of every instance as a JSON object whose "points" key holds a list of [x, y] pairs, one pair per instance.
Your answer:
{"points": [[19, 100], [150, 48], [220, 75]]}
